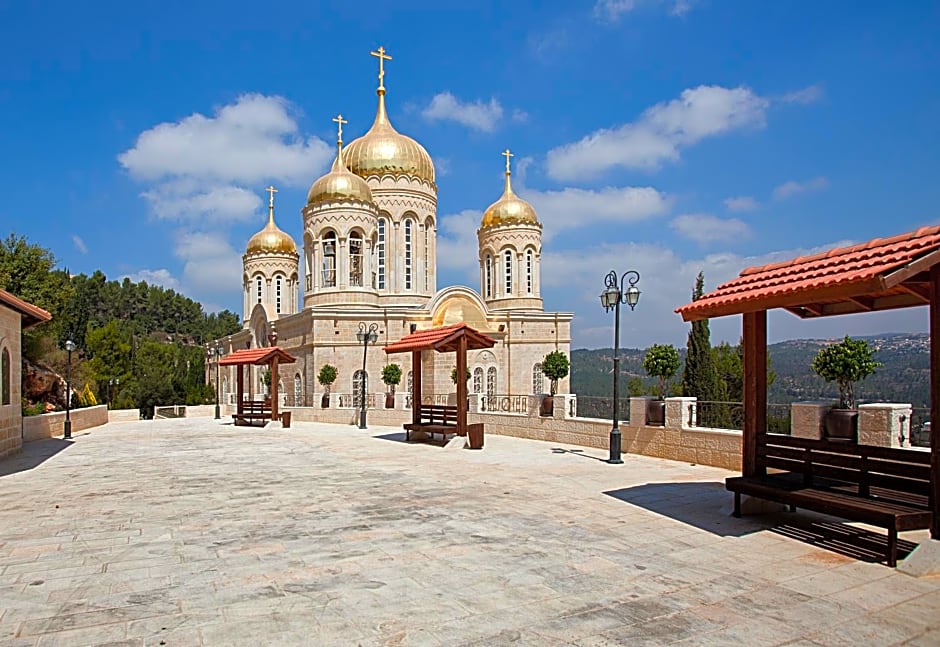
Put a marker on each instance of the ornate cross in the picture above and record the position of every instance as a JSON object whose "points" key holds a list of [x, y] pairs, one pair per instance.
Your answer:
{"points": [[271, 190], [382, 56], [507, 155], [340, 121]]}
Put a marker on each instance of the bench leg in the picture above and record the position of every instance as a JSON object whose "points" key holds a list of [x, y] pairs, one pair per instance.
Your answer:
{"points": [[737, 505], [791, 508], [892, 547]]}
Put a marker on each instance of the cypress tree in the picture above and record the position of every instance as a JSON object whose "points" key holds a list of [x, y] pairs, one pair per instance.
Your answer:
{"points": [[700, 378]]}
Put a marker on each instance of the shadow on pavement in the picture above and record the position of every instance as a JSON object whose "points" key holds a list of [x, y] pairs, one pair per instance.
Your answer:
{"points": [[857, 543], [577, 452], [33, 454]]}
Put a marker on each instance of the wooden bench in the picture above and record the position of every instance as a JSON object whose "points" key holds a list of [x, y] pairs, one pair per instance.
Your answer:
{"points": [[253, 411], [880, 486], [434, 419]]}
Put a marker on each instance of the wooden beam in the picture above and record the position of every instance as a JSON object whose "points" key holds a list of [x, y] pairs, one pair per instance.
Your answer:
{"points": [[921, 292], [416, 386], [755, 389], [274, 381], [864, 302], [922, 264], [240, 388], [934, 495], [462, 386]]}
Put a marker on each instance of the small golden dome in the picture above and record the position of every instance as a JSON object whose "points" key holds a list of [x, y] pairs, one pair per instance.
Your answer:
{"points": [[339, 185], [510, 209], [385, 151], [271, 238]]}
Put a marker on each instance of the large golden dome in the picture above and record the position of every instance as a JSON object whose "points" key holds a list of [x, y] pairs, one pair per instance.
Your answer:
{"points": [[339, 185], [385, 151], [510, 209], [271, 238]]}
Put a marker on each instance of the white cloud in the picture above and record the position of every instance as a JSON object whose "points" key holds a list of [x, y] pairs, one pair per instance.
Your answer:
{"points": [[161, 277], [520, 116], [660, 132], [741, 203], [704, 228], [804, 96], [457, 247], [478, 115], [611, 11], [210, 264], [791, 188], [79, 244], [573, 207], [200, 166]]}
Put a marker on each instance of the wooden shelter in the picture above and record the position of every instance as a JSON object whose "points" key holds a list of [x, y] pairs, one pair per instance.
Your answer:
{"points": [[458, 338], [267, 356], [883, 274]]}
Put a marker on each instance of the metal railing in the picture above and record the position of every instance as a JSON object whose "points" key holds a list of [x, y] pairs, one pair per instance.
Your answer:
{"points": [[351, 401], [504, 403], [175, 411], [919, 429], [436, 398], [730, 415], [603, 408]]}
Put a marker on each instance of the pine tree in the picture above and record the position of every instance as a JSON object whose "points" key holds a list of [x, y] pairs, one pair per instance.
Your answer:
{"points": [[700, 378]]}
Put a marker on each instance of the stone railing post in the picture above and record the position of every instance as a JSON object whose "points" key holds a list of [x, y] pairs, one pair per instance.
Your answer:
{"points": [[807, 419], [678, 411], [884, 424], [638, 410], [474, 400]]}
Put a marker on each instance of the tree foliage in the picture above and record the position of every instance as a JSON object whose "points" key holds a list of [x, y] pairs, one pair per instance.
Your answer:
{"points": [[699, 377], [662, 361], [391, 375], [555, 367], [845, 363], [327, 375]]}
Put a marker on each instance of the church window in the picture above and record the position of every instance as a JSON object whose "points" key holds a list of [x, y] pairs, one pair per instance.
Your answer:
{"points": [[381, 254], [538, 379], [355, 260], [298, 391], [329, 260], [408, 251], [488, 276], [5, 379], [507, 263], [528, 271], [278, 288], [259, 289], [478, 380], [491, 381], [357, 385], [427, 257]]}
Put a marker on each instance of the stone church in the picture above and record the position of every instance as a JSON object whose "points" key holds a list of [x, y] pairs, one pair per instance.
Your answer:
{"points": [[369, 256]]}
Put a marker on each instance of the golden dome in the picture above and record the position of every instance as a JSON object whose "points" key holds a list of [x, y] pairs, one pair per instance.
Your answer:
{"points": [[339, 185], [385, 151], [510, 209], [271, 238]]}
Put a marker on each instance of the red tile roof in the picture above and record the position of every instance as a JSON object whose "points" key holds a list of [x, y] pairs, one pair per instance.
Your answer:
{"points": [[443, 340], [257, 356], [31, 314], [859, 278]]}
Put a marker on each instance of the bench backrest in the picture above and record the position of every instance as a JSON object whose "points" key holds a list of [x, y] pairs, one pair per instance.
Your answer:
{"points": [[899, 474], [437, 414], [256, 406]]}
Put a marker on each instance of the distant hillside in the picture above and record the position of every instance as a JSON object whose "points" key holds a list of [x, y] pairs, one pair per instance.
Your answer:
{"points": [[903, 378]]}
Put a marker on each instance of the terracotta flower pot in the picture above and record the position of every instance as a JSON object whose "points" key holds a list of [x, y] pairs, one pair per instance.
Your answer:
{"points": [[656, 413], [325, 401], [548, 406], [389, 400], [842, 425]]}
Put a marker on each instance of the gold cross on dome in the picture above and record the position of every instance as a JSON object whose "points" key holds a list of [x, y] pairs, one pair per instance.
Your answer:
{"points": [[382, 56], [271, 190], [507, 155], [339, 122]]}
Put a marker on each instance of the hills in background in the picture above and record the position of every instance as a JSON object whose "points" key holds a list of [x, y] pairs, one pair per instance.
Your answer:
{"points": [[904, 376]]}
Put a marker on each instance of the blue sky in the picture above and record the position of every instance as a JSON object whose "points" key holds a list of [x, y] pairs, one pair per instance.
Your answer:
{"points": [[666, 136]]}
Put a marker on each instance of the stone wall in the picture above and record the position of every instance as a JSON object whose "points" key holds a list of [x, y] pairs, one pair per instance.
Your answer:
{"points": [[11, 414], [52, 425]]}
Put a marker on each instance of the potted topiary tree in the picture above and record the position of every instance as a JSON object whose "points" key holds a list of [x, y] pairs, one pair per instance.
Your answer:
{"points": [[662, 361], [555, 367], [391, 376], [844, 363], [326, 377]]}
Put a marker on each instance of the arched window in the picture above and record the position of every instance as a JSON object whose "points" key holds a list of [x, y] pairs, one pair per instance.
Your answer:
{"points": [[359, 377], [528, 271], [408, 252], [5, 379], [282, 392], [329, 260], [538, 379], [298, 391], [427, 256], [488, 276], [278, 290], [507, 267], [478, 380], [380, 254], [259, 289], [491, 381], [355, 259]]}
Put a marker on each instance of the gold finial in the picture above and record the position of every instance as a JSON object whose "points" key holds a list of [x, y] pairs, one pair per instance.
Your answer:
{"points": [[382, 56], [271, 191], [507, 155], [340, 121]]}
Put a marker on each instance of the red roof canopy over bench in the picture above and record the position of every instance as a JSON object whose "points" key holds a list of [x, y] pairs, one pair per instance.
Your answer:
{"points": [[259, 357]]}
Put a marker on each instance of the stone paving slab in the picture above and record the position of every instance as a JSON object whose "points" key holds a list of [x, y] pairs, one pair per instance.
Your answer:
{"points": [[191, 532]]}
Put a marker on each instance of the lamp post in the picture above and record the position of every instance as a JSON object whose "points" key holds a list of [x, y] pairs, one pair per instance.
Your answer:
{"points": [[612, 296], [217, 351], [114, 381], [67, 433], [365, 335]]}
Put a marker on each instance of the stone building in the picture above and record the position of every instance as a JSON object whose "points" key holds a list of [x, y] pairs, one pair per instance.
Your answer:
{"points": [[369, 259], [16, 315]]}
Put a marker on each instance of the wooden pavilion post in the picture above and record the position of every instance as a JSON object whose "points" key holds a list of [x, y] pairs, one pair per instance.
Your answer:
{"points": [[934, 328], [755, 388], [240, 388], [274, 381], [462, 386], [416, 386]]}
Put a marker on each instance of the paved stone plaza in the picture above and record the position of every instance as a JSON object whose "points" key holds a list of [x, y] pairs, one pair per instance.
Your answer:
{"points": [[193, 533]]}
